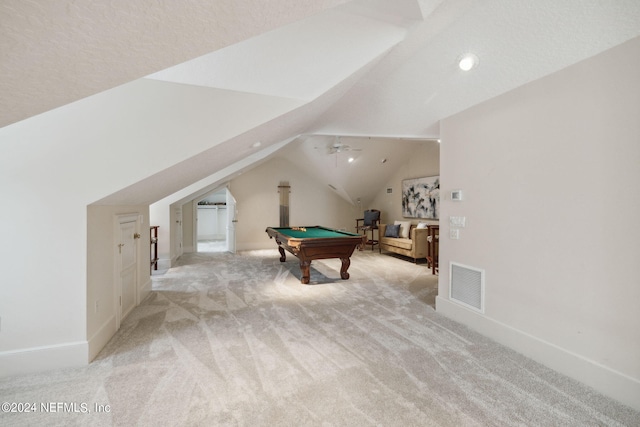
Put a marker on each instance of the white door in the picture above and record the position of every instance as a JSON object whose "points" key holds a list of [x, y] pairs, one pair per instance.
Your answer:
{"points": [[127, 265], [231, 222]]}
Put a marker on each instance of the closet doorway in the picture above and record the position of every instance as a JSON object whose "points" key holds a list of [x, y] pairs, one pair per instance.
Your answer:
{"points": [[213, 216]]}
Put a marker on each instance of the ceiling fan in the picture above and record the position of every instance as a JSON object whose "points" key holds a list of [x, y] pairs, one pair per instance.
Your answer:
{"points": [[339, 147]]}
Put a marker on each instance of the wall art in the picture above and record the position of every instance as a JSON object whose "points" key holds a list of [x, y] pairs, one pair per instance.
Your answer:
{"points": [[421, 197]]}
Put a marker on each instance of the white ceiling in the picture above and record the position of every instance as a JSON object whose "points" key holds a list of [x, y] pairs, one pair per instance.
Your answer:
{"points": [[372, 71], [55, 52]]}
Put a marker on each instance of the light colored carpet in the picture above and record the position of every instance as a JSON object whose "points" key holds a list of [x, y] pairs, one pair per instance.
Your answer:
{"points": [[238, 341]]}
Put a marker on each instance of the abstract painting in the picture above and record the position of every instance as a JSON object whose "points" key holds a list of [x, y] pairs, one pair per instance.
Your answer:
{"points": [[421, 197]]}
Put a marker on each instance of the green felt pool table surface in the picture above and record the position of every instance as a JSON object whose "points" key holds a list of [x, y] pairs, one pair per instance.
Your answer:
{"points": [[315, 232]]}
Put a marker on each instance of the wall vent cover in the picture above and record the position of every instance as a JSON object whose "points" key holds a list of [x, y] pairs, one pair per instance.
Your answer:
{"points": [[466, 286]]}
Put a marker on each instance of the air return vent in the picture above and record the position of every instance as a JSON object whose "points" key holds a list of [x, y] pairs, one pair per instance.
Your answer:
{"points": [[467, 286]]}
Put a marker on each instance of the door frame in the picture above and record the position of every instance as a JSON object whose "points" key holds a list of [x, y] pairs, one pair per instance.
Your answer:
{"points": [[177, 241], [231, 219]]}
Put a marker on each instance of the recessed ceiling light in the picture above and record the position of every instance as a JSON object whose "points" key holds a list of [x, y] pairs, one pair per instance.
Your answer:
{"points": [[468, 61], [351, 159], [256, 144]]}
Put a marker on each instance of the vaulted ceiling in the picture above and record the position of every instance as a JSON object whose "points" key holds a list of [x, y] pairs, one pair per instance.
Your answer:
{"points": [[380, 74]]}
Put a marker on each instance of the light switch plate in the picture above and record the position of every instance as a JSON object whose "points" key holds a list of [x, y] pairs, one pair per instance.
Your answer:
{"points": [[457, 221], [454, 234]]}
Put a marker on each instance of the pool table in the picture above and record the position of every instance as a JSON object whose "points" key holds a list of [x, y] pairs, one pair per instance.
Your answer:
{"points": [[309, 243]]}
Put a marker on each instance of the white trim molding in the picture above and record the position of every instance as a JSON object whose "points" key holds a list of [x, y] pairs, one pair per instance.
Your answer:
{"points": [[37, 359]]}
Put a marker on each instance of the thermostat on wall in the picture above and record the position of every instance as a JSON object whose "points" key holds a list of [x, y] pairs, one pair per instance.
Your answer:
{"points": [[456, 195]]}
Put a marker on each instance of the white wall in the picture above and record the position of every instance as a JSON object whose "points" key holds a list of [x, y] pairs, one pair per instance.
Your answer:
{"points": [[44, 250], [551, 181], [52, 167], [424, 162], [43, 285], [311, 203], [211, 222]]}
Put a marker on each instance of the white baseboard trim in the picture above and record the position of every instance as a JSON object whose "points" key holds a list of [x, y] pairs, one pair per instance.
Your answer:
{"points": [[605, 380], [102, 337], [37, 359]]}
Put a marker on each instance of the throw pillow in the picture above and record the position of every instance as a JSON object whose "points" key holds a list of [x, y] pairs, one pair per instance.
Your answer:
{"points": [[422, 225], [392, 230], [405, 226]]}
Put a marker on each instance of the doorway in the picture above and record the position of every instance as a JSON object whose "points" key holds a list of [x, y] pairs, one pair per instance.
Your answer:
{"points": [[215, 222]]}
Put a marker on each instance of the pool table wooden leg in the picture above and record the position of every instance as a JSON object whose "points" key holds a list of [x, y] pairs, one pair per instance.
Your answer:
{"points": [[346, 262], [283, 257], [304, 268]]}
